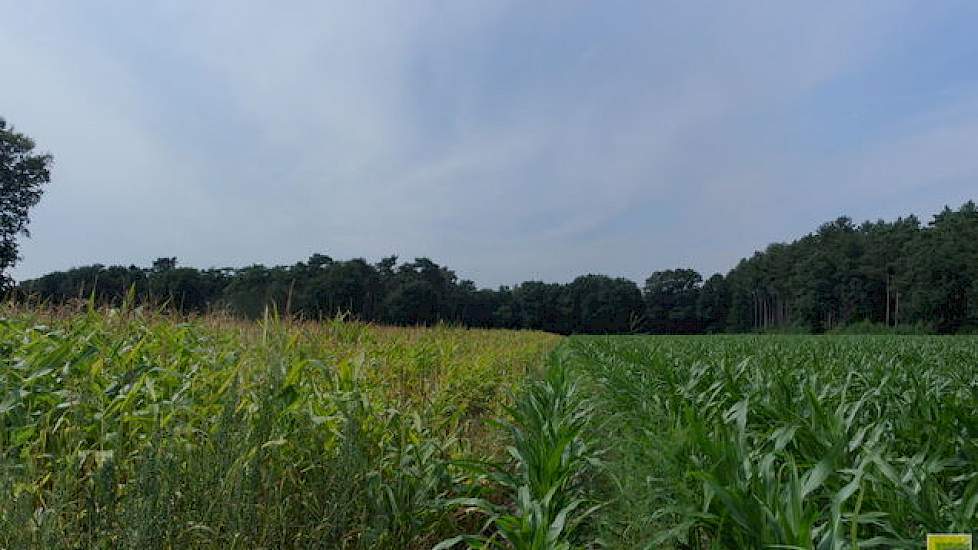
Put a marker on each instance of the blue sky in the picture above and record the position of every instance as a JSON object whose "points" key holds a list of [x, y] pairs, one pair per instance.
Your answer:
{"points": [[510, 141]]}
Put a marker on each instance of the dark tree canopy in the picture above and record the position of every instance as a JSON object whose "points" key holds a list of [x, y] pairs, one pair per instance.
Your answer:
{"points": [[887, 274], [600, 304], [23, 174], [671, 299]]}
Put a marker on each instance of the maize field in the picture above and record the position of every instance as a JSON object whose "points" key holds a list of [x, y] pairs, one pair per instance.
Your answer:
{"points": [[125, 428], [822, 442]]}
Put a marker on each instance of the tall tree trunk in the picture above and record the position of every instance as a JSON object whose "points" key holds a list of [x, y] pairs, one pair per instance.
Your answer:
{"points": [[753, 320], [764, 312], [896, 310], [887, 299], [760, 312]]}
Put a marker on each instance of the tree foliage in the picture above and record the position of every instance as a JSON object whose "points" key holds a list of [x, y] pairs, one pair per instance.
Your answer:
{"points": [[23, 174], [888, 274]]}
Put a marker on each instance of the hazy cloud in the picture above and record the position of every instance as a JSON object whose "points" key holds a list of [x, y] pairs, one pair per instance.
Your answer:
{"points": [[506, 140]]}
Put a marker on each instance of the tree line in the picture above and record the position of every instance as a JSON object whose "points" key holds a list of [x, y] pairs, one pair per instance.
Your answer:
{"points": [[878, 274], [887, 274], [391, 292]]}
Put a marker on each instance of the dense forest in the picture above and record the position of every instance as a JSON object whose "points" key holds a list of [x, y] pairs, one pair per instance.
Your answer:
{"points": [[878, 274]]}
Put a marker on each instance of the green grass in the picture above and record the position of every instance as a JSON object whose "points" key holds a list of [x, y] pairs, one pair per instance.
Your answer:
{"points": [[786, 441]]}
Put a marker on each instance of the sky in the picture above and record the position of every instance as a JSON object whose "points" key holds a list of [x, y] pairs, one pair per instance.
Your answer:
{"points": [[509, 141]]}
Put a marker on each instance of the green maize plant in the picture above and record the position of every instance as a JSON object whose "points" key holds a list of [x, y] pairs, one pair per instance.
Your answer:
{"points": [[831, 442], [545, 483], [129, 429]]}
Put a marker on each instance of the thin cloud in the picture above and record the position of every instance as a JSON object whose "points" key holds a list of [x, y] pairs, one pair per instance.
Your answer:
{"points": [[508, 141]]}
